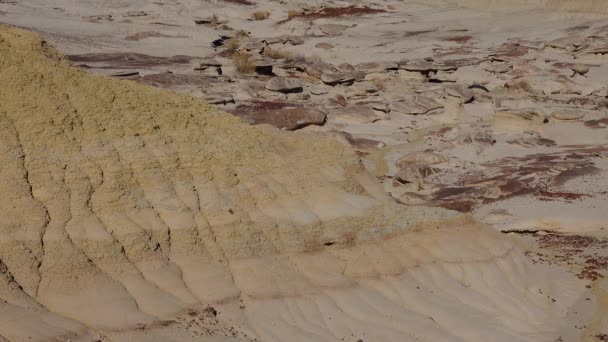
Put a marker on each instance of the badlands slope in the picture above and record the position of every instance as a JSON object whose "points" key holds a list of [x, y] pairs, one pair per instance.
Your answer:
{"points": [[131, 213]]}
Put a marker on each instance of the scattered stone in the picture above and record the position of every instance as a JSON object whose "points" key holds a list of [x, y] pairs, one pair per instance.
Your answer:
{"points": [[442, 76], [568, 43], [252, 46], [210, 62], [285, 85], [346, 67], [580, 69], [143, 35], [264, 66], [210, 67], [98, 18], [341, 100], [324, 46], [359, 114], [362, 90], [452, 108], [518, 119], [334, 78], [333, 12], [412, 175], [597, 124], [499, 68], [373, 67], [287, 118], [414, 76], [457, 63], [134, 14], [318, 90], [415, 105], [381, 106], [465, 94], [210, 310], [478, 138], [529, 113], [205, 21], [3, 268], [284, 39], [378, 77], [299, 97], [551, 85], [363, 143], [333, 29], [428, 65], [220, 41]]}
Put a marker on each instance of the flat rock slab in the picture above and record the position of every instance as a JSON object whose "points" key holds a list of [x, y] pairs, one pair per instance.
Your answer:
{"points": [[176, 81], [358, 114], [373, 67], [286, 118], [499, 68], [284, 39], [362, 89], [567, 115], [530, 114], [363, 143], [210, 62], [423, 65], [462, 92], [324, 46], [218, 98], [319, 90], [285, 85], [333, 29], [127, 60], [421, 158], [518, 119], [415, 105], [333, 78], [551, 85]]}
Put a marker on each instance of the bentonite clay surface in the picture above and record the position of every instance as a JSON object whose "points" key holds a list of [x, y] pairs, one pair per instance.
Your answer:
{"points": [[298, 171]]}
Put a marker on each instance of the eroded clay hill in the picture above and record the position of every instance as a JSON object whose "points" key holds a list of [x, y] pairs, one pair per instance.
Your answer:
{"points": [[131, 213]]}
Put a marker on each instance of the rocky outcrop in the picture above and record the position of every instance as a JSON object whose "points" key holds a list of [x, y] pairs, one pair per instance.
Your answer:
{"points": [[285, 85]]}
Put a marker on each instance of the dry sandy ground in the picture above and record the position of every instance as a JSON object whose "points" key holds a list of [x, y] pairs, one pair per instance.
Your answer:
{"points": [[392, 171]]}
